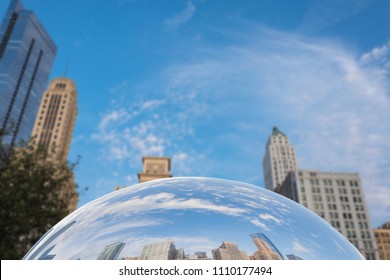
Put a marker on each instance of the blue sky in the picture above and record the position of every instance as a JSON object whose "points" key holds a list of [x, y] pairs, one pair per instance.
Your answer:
{"points": [[204, 81]]}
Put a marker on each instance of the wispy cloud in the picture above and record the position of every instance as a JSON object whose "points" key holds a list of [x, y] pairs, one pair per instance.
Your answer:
{"points": [[322, 14], [378, 56], [299, 248], [215, 112], [182, 17]]}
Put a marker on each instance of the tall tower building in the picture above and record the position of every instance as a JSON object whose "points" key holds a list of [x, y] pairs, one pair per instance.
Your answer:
{"points": [[56, 117], [339, 199], [229, 251], [165, 250], [279, 159], [155, 168], [27, 53], [266, 250], [112, 251]]}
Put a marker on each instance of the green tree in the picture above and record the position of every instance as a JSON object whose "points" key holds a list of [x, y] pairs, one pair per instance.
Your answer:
{"points": [[36, 191]]}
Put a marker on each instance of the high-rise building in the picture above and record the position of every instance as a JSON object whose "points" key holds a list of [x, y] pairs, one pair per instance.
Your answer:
{"points": [[27, 53], [229, 251], [197, 256], [56, 117], [112, 251], [339, 199], [165, 250], [266, 250], [382, 236], [155, 168], [279, 159]]}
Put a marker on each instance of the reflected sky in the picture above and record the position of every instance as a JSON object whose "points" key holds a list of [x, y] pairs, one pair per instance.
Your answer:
{"points": [[197, 214]]}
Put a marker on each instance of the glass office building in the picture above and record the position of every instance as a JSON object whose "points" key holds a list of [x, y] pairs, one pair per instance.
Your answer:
{"points": [[26, 56]]}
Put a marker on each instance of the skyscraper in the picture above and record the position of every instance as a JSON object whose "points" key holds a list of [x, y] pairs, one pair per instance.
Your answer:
{"points": [[266, 250], [339, 199], [229, 251], [57, 116], [26, 56], [279, 159], [165, 250], [112, 251]]}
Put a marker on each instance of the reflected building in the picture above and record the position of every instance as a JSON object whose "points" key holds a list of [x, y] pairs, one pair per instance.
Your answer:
{"points": [[131, 258], [161, 251], [229, 251], [279, 159], [293, 257], [197, 256], [189, 208], [112, 251], [266, 249], [27, 54], [155, 168], [339, 199], [382, 236]]}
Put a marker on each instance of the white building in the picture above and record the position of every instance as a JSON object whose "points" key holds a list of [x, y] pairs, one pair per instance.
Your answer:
{"points": [[279, 159], [165, 250], [339, 199]]}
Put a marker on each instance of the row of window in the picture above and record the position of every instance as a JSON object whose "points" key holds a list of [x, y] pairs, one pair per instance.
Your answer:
{"points": [[328, 182], [60, 86]]}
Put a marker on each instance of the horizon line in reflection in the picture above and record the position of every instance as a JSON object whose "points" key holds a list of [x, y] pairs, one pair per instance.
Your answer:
{"points": [[166, 250]]}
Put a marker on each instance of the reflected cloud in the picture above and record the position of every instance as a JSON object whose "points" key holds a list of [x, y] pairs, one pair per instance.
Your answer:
{"points": [[192, 218]]}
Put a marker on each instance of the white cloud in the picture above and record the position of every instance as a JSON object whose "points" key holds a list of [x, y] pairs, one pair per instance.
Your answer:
{"points": [[214, 113], [299, 248], [182, 17], [180, 164], [380, 54], [334, 107], [259, 224], [269, 217]]}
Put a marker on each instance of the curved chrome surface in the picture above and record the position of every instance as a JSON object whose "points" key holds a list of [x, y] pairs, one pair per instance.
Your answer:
{"points": [[192, 218]]}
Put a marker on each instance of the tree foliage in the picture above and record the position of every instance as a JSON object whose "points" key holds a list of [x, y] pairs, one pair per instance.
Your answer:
{"points": [[36, 190]]}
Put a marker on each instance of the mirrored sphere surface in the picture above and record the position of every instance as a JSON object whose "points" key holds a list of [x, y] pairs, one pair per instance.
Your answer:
{"points": [[193, 218]]}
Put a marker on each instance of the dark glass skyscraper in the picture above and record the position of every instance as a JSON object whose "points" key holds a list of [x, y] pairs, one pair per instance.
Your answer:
{"points": [[26, 56]]}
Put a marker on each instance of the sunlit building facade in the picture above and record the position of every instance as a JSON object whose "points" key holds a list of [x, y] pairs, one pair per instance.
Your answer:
{"points": [[279, 159], [56, 118], [382, 236], [112, 251], [27, 53], [155, 168], [266, 249], [339, 199], [229, 251], [165, 250]]}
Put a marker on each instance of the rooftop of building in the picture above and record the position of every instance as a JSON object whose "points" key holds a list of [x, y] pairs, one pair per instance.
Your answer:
{"points": [[276, 131]]}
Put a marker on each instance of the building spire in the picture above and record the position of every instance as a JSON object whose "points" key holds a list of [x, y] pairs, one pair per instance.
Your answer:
{"points": [[67, 65], [276, 131]]}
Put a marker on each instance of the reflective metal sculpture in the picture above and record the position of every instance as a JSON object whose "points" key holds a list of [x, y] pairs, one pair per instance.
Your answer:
{"points": [[193, 218]]}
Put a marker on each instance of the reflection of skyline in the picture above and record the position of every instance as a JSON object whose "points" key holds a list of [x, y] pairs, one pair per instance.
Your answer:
{"points": [[112, 251], [266, 249], [229, 251], [185, 209], [166, 250]]}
